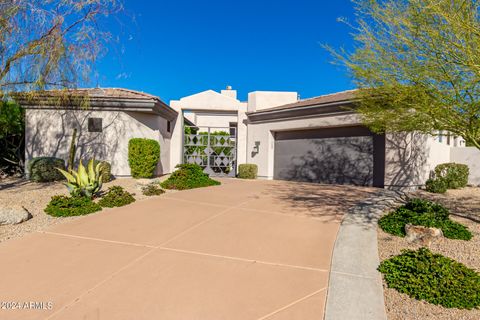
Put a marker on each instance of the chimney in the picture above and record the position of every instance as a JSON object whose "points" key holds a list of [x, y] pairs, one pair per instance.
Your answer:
{"points": [[229, 92]]}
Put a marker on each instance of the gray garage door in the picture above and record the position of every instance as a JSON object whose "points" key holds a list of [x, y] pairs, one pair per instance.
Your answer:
{"points": [[347, 155]]}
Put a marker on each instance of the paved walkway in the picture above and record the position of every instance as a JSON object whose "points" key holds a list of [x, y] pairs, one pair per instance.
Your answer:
{"points": [[242, 250]]}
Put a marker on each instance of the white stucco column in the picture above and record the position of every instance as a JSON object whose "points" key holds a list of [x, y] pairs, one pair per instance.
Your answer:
{"points": [[176, 144], [241, 137]]}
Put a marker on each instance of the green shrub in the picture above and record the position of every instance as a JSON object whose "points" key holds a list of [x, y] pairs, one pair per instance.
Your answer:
{"points": [[437, 185], [143, 157], [44, 169], [105, 170], [423, 213], [116, 197], [454, 174], [188, 176], [152, 189], [12, 138], [425, 206], [247, 171], [63, 206], [434, 278]]}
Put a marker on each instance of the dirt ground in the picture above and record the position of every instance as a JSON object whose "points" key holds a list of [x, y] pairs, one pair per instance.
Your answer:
{"points": [[35, 196], [464, 206]]}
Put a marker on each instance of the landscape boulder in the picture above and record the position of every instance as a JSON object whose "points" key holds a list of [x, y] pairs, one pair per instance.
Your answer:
{"points": [[13, 215], [422, 235]]}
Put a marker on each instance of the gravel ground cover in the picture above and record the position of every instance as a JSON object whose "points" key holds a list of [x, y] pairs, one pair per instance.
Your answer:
{"points": [[462, 203], [35, 196]]}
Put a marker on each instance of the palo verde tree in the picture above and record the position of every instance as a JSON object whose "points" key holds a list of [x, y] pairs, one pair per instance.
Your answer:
{"points": [[417, 65], [51, 43], [45, 44]]}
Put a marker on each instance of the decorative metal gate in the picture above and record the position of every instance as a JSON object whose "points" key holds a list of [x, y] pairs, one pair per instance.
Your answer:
{"points": [[213, 148]]}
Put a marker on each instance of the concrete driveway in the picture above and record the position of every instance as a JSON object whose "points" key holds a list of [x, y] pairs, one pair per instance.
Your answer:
{"points": [[242, 250]]}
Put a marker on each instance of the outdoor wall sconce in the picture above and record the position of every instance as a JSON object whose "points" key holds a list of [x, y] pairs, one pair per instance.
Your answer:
{"points": [[256, 147]]}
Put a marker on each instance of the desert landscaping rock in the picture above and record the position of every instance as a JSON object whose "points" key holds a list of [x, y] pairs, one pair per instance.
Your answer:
{"points": [[422, 235], [400, 306], [13, 215], [34, 197], [142, 183]]}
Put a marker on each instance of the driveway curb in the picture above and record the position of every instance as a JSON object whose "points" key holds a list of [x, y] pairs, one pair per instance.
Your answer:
{"points": [[355, 289]]}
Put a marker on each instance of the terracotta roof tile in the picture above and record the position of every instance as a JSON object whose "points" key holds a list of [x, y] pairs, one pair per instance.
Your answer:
{"points": [[111, 93], [325, 99]]}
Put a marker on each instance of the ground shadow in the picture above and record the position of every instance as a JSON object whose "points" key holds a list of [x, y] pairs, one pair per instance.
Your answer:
{"points": [[328, 202]]}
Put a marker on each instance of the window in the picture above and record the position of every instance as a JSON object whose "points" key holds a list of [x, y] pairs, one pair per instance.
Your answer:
{"points": [[95, 125], [169, 128], [233, 128]]}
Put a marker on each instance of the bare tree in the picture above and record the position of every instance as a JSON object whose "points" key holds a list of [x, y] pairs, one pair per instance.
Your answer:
{"points": [[51, 43]]}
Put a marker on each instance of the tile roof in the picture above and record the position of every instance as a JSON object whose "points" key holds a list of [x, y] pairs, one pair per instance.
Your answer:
{"points": [[107, 93], [348, 95]]}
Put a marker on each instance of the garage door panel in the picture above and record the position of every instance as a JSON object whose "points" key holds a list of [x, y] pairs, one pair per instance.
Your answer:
{"points": [[326, 158]]}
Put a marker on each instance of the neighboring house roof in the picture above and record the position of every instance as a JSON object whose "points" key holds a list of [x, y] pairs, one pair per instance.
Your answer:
{"points": [[325, 104], [105, 99]]}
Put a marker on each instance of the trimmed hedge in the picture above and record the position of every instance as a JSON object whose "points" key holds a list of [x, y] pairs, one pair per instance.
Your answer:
{"points": [[44, 169], [438, 185], [188, 176], [63, 206], [116, 197], [105, 170], [455, 175], [143, 157], [247, 171], [424, 275], [423, 213]]}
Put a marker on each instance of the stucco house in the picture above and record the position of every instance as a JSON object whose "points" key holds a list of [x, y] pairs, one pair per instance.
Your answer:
{"points": [[318, 140], [105, 124]]}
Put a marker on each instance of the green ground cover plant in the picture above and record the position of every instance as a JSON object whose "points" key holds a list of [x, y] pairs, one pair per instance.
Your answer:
{"points": [[116, 197], [188, 176], [152, 189], [434, 278], [423, 213], [63, 206]]}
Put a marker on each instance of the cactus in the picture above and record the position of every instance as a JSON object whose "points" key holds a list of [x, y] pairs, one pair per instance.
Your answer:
{"points": [[72, 151]]}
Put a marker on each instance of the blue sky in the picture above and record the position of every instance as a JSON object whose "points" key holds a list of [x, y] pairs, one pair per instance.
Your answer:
{"points": [[177, 48]]}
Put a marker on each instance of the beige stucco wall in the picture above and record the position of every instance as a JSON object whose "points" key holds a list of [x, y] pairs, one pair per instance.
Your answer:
{"points": [[217, 121], [471, 157], [260, 100], [48, 133]]}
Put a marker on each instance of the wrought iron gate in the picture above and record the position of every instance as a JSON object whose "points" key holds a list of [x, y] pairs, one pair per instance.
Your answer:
{"points": [[213, 148]]}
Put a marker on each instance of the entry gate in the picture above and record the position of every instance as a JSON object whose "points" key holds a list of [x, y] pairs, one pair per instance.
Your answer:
{"points": [[212, 148]]}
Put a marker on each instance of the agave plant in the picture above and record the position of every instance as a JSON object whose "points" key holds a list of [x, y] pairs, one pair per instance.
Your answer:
{"points": [[85, 181]]}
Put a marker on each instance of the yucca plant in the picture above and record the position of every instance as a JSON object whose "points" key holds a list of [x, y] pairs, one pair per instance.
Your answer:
{"points": [[85, 181]]}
